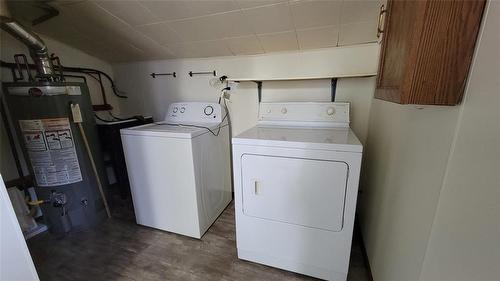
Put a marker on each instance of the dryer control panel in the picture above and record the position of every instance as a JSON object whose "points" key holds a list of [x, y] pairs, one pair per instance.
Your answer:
{"points": [[330, 114], [194, 112]]}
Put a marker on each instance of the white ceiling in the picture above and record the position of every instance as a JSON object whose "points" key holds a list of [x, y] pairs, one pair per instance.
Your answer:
{"points": [[132, 30]]}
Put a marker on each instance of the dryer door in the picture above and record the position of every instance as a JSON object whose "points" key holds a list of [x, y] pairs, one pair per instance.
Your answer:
{"points": [[305, 192]]}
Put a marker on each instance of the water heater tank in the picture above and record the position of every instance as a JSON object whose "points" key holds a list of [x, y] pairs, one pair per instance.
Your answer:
{"points": [[54, 150]]}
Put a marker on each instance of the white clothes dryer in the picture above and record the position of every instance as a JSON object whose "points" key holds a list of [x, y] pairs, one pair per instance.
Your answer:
{"points": [[296, 182]]}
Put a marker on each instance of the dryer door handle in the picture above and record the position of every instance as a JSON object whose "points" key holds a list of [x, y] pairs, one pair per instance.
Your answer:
{"points": [[256, 187]]}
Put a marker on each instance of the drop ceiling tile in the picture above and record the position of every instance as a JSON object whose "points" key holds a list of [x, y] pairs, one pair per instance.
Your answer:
{"points": [[106, 52], [321, 37], [201, 49], [245, 4], [67, 2], [315, 13], [248, 45], [175, 9], [354, 11], [160, 32], [275, 42], [212, 27], [141, 41], [270, 19], [59, 27], [358, 33], [131, 12], [168, 10], [88, 14], [209, 7]]}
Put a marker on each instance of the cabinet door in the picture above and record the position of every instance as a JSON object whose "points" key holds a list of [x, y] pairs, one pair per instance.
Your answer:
{"points": [[441, 58], [399, 32], [427, 50], [303, 192]]}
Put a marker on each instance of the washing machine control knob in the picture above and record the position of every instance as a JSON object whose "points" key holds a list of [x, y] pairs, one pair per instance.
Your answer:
{"points": [[175, 110], [182, 109], [330, 111], [208, 110], [284, 110]]}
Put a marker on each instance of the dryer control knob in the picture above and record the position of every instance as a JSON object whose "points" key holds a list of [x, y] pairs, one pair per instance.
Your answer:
{"points": [[283, 110], [182, 109], [175, 110], [330, 111]]}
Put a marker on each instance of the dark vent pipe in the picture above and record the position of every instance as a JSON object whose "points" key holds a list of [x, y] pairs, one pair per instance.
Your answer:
{"points": [[38, 50]]}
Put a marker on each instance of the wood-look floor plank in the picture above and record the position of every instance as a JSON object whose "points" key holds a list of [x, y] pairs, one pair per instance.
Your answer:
{"points": [[118, 249]]}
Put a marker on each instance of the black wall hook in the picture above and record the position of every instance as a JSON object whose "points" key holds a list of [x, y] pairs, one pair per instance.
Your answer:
{"points": [[163, 74], [191, 73]]}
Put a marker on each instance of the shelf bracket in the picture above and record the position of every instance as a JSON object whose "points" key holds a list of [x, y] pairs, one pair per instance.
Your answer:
{"points": [[259, 90], [334, 88]]}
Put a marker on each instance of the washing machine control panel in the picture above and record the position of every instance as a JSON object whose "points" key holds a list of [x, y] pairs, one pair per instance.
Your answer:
{"points": [[201, 112]]}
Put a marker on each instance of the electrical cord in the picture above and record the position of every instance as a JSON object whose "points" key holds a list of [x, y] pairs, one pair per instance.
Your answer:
{"points": [[102, 119], [117, 118]]}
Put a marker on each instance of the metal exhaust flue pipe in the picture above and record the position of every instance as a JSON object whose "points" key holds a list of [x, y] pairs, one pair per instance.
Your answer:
{"points": [[38, 50]]}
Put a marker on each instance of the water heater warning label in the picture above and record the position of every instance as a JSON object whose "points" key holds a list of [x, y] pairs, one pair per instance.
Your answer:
{"points": [[51, 150]]}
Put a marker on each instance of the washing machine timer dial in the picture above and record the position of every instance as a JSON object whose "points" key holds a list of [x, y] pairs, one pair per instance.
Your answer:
{"points": [[208, 110]]}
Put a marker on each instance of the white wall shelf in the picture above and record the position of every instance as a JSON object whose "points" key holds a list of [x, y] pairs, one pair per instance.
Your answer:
{"points": [[300, 78]]}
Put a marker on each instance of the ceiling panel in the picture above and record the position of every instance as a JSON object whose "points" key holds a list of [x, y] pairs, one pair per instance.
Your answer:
{"points": [[160, 32], [132, 12], [211, 48], [307, 14], [175, 9], [247, 45], [131, 30], [354, 11], [284, 41], [212, 27], [269, 19], [319, 37], [358, 33], [244, 4], [88, 14]]}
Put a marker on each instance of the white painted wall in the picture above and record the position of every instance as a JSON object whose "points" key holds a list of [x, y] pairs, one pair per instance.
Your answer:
{"points": [[465, 240], [69, 57], [431, 206], [15, 259], [405, 161], [151, 96]]}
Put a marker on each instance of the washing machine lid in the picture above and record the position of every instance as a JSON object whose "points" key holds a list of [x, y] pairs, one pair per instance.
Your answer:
{"points": [[169, 130], [337, 139]]}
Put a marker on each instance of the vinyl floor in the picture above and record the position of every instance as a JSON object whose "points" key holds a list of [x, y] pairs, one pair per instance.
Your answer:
{"points": [[119, 249]]}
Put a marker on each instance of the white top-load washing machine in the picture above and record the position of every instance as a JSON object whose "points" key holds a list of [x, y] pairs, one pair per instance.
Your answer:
{"points": [[179, 169], [296, 182]]}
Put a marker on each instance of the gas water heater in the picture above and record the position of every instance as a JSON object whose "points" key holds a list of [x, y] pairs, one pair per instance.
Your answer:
{"points": [[55, 150], [55, 128]]}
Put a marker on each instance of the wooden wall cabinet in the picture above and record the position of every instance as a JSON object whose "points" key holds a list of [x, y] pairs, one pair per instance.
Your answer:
{"points": [[427, 50]]}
